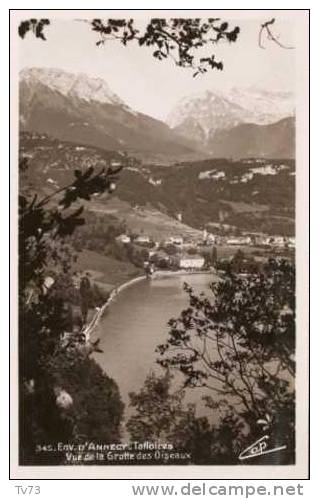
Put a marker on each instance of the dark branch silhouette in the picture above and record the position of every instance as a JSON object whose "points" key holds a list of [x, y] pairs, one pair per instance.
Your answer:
{"points": [[265, 28], [177, 39]]}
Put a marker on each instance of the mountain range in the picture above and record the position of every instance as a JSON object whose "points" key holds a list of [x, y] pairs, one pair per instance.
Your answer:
{"points": [[202, 115], [84, 110]]}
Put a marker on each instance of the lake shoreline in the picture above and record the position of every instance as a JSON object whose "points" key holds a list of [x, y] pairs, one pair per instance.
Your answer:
{"points": [[114, 292], [136, 323], [118, 289]]}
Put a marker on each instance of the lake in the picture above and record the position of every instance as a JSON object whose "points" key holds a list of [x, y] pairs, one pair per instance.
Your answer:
{"points": [[136, 322]]}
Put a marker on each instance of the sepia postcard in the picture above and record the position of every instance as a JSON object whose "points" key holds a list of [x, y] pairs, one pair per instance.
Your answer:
{"points": [[159, 246]]}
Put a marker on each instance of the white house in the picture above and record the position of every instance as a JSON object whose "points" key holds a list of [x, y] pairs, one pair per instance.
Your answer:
{"points": [[115, 163], [211, 174], [191, 262], [208, 237], [153, 181], [211, 238], [245, 240], [233, 241], [263, 240], [279, 241], [291, 242], [142, 239], [123, 238], [242, 240]]}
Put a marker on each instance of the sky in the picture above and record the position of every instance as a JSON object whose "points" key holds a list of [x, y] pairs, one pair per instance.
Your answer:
{"points": [[154, 87]]}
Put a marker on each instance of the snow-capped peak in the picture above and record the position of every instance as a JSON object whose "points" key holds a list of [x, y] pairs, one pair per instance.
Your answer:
{"points": [[210, 111], [69, 84]]}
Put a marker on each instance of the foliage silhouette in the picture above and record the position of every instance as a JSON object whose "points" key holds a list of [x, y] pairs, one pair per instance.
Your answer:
{"points": [[240, 349], [44, 317], [179, 39], [36, 26], [160, 415]]}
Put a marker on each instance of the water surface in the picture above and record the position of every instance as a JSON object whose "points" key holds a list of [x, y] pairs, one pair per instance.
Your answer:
{"points": [[136, 322]]}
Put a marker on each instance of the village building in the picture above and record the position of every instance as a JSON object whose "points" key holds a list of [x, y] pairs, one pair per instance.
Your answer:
{"points": [[208, 238], [278, 241], [115, 163], [142, 239], [242, 240], [291, 242], [262, 240], [177, 240], [190, 261], [153, 181], [123, 238]]}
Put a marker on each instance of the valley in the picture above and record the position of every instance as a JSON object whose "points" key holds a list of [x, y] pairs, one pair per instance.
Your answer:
{"points": [[156, 235], [220, 172], [250, 195]]}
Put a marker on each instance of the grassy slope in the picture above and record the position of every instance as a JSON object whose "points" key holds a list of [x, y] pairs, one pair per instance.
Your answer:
{"points": [[105, 271], [143, 219]]}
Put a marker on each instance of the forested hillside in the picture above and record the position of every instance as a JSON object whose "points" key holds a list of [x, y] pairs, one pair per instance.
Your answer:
{"points": [[251, 194]]}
